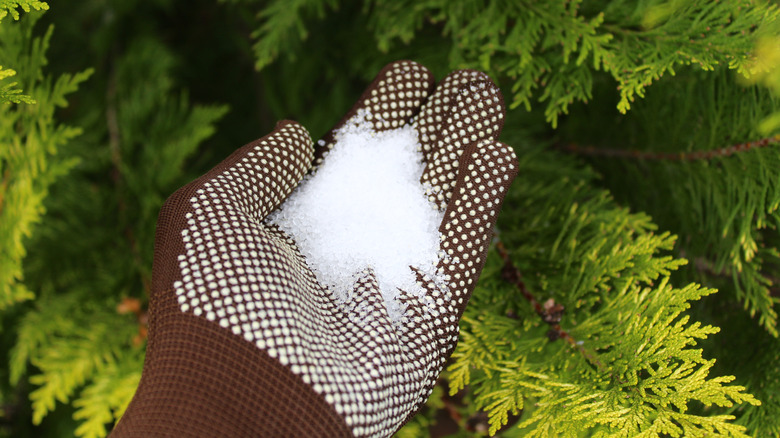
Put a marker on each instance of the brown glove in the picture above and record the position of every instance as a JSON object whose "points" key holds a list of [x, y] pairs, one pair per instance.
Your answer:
{"points": [[244, 341]]}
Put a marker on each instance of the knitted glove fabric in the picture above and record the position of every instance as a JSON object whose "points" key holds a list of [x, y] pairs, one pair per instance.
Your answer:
{"points": [[244, 341]]}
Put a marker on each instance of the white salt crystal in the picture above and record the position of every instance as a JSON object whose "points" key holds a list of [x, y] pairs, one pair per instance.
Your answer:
{"points": [[365, 208]]}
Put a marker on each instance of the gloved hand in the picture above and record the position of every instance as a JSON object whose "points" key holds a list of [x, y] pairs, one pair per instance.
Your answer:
{"points": [[243, 340]]}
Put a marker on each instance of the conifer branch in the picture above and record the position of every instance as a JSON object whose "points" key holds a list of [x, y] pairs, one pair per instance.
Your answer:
{"points": [[8, 92], [550, 312], [30, 138], [720, 197], [151, 129], [11, 7]]}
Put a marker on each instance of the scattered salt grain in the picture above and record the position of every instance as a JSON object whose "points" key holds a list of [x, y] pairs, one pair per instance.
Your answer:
{"points": [[365, 208]]}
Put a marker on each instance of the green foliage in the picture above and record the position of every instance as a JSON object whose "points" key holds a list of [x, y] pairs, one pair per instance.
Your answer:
{"points": [[606, 236], [10, 94], [723, 205], [95, 247], [283, 27], [11, 7], [766, 71], [759, 367], [31, 138], [552, 50], [107, 398], [80, 354], [89, 359], [71, 346], [764, 382], [631, 369]]}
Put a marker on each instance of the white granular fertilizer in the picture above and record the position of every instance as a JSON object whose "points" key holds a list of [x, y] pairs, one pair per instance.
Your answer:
{"points": [[365, 208]]}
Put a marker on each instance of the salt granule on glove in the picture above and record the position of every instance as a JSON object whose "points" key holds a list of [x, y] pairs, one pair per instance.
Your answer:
{"points": [[246, 336], [365, 207]]}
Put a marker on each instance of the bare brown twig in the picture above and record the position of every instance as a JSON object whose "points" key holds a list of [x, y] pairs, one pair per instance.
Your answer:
{"points": [[672, 156]]}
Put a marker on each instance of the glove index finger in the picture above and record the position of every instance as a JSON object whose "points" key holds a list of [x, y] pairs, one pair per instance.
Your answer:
{"points": [[485, 172], [392, 99]]}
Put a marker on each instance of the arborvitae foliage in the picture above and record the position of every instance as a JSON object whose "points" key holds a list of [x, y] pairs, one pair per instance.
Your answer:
{"points": [[93, 358], [627, 364], [632, 289], [31, 138], [12, 7], [9, 93], [705, 175], [80, 342], [634, 42]]}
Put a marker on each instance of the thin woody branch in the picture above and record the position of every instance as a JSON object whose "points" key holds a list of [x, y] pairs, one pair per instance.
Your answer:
{"points": [[672, 156], [550, 311]]}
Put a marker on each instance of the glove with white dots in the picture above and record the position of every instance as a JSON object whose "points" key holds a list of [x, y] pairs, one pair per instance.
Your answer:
{"points": [[243, 338]]}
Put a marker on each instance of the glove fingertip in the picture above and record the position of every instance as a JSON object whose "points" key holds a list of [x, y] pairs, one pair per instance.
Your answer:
{"points": [[471, 110], [450, 93]]}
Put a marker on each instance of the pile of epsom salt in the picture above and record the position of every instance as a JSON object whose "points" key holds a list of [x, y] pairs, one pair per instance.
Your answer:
{"points": [[364, 207]]}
